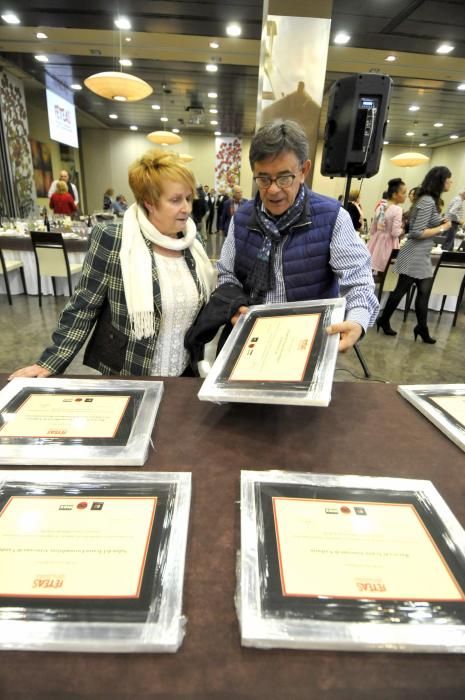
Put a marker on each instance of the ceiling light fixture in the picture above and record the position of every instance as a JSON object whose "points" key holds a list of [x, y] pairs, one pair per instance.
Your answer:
{"points": [[385, 143], [454, 136], [163, 119], [127, 38], [175, 131], [422, 144], [214, 45], [41, 58], [233, 29], [125, 62], [122, 87], [164, 138], [445, 48], [211, 67], [461, 86], [213, 111], [133, 127], [217, 133], [11, 18], [41, 35], [156, 107], [186, 157], [390, 58], [113, 116], [413, 108], [409, 159], [212, 95], [342, 38], [213, 122], [410, 133], [122, 23], [438, 124], [76, 86]]}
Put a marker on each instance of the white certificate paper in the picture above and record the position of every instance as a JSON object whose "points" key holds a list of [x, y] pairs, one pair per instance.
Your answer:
{"points": [[66, 416], [349, 549], [454, 405], [277, 349], [77, 547]]}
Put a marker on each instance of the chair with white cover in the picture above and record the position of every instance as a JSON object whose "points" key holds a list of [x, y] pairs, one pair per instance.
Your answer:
{"points": [[52, 259], [449, 279], [7, 266]]}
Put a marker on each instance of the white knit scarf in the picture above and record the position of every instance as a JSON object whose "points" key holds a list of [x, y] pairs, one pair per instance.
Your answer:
{"points": [[136, 266]]}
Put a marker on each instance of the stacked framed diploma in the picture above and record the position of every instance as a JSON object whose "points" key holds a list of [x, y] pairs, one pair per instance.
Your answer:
{"points": [[92, 561], [278, 353], [61, 422], [350, 563], [443, 405]]}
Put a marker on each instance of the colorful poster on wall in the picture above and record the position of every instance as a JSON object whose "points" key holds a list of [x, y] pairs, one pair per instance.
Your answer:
{"points": [[228, 161], [42, 164]]}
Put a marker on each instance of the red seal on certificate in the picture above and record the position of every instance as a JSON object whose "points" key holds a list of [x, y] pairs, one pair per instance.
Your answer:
{"points": [[81, 505]]}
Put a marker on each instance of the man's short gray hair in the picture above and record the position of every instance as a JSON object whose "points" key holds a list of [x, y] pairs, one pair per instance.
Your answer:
{"points": [[277, 137]]}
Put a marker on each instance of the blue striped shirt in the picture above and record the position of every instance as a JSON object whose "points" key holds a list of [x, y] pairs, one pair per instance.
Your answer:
{"points": [[349, 259]]}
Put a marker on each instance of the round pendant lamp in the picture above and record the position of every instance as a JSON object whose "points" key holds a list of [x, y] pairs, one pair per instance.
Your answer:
{"points": [[186, 157], [409, 159], [119, 86], [164, 138]]}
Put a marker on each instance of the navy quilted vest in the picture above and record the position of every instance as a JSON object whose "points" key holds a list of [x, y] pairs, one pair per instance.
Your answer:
{"points": [[307, 274]]}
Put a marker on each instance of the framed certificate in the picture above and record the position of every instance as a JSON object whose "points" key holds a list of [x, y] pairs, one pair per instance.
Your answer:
{"points": [[349, 563], [92, 561], [442, 404], [74, 421], [278, 353]]}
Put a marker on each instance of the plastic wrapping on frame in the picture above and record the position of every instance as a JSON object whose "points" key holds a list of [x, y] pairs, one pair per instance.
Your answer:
{"points": [[163, 628], [43, 452], [215, 388], [417, 395], [261, 629]]}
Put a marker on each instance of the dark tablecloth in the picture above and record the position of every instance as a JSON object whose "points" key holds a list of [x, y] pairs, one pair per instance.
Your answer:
{"points": [[368, 429]]}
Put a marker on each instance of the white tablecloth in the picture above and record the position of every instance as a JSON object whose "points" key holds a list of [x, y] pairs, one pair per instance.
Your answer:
{"points": [[30, 272]]}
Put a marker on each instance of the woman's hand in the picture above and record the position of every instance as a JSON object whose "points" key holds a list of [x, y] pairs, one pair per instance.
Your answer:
{"points": [[31, 371], [237, 315], [350, 332]]}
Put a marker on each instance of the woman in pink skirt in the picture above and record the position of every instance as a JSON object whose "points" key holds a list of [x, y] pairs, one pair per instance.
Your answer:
{"points": [[387, 225]]}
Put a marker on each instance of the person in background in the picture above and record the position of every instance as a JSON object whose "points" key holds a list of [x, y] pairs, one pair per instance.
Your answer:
{"points": [[210, 198], [108, 199], [355, 209], [120, 205], [340, 199], [413, 263], [230, 207], [406, 215], [455, 215], [219, 204], [61, 202], [292, 244], [72, 189], [144, 281], [386, 227]]}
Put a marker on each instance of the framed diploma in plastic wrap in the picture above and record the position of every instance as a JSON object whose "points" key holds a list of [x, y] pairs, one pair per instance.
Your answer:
{"points": [[62, 422], [350, 563], [92, 561], [278, 353], [443, 405]]}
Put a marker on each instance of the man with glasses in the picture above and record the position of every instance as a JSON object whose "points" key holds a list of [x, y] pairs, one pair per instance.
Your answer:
{"points": [[291, 244]]}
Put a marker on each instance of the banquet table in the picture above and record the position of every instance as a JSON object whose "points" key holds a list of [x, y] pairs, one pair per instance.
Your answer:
{"points": [[19, 247], [368, 429]]}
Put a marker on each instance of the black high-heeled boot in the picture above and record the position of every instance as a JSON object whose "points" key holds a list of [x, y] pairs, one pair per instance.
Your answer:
{"points": [[385, 325], [423, 332]]}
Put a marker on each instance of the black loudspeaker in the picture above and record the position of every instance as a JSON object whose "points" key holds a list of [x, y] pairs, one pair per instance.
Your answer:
{"points": [[357, 117]]}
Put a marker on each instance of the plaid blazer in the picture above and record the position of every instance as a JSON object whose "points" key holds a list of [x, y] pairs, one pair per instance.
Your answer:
{"points": [[102, 279]]}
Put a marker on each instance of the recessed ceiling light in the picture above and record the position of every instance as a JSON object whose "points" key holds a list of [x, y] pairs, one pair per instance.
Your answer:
{"points": [[413, 108], [410, 133], [214, 122], [163, 119], [41, 58], [422, 144], [127, 38], [391, 58], [113, 116], [125, 62], [233, 29], [41, 35], [454, 136], [122, 23], [156, 107], [212, 95], [175, 131], [387, 122], [211, 67], [213, 111], [342, 38], [120, 98], [76, 86], [461, 86], [133, 127], [11, 18], [445, 48], [385, 143], [217, 133], [438, 124], [214, 45]]}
